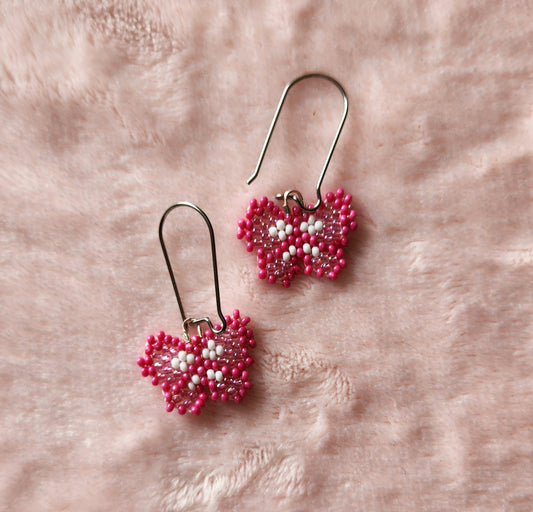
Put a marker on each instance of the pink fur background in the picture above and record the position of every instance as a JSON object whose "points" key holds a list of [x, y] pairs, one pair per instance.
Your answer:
{"points": [[405, 385]]}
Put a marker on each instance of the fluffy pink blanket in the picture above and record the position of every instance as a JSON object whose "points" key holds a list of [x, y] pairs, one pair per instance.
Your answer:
{"points": [[406, 384]]}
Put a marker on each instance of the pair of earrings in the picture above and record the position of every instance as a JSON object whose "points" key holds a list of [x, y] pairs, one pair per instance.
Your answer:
{"points": [[214, 363]]}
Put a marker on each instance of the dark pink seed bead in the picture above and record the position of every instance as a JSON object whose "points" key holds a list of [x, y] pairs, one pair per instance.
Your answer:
{"points": [[286, 283], [270, 257], [242, 330], [185, 377], [253, 202], [188, 346], [277, 252], [168, 338], [249, 214], [252, 343], [202, 397], [344, 240], [224, 397], [271, 279], [168, 396], [180, 384], [244, 375], [181, 345], [249, 360], [291, 239], [345, 230], [182, 409], [151, 370], [336, 269], [157, 345], [155, 380], [263, 201], [195, 410], [212, 385], [235, 372], [165, 386], [321, 246], [340, 192], [308, 270], [192, 369], [208, 334], [245, 320], [249, 224], [332, 249], [240, 234], [198, 361], [214, 364], [250, 246], [161, 335], [234, 324], [259, 211], [284, 246], [207, 364], [242, 340], [140, 361], [240, 365], [329, 196], [214, 395], [305, 237], [300, 252], [249, 236], [170, 407], [247, 384], [332, 275], [175, 388], [342, 263], [244, 352], [307, 259], [269, 205], [150, 339], [238, 398], [353, 226], [345, 209], [249, 333], [347, 198], [201, 371], [352, 215], [337, 203], [343, 219], [241, 223], [144, 372], [225, 370], [261, 263], [298, 242], [312, 240], [320, 272]]}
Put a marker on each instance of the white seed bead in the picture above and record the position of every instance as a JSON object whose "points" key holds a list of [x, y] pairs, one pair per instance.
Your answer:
{"points": [[183, 366], [212, 355], [272, 231], [190, 358], [218, 376], [211, 374], [280, 225], [211, 344], [311, 229], [282, 236], [311, 219], [292, 250], [286, 256], [288, 229], [303, 226], [175, 363], [315, 251], [192, 387], [318, 225], [182, 355], [219, 350], [205, 353], [195, 379], [307, 248]]}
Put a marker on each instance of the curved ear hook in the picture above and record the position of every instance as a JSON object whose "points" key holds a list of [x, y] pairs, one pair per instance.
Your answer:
{"points": [[332, 148], [190, 320]]}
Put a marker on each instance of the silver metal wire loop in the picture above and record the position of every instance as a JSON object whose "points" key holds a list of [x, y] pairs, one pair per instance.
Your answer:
{"points": [[189, 321], [298, 197]]}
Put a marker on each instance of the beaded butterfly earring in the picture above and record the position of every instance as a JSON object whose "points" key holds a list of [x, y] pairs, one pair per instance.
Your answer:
{"points": [[212, 365], [304, 237]]}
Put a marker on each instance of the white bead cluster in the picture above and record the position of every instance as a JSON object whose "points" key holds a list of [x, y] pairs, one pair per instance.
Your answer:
{"points": [[185, 359], [282, 230]]}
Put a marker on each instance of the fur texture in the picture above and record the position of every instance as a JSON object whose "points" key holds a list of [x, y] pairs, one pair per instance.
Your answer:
{"points": [[405, 385]]}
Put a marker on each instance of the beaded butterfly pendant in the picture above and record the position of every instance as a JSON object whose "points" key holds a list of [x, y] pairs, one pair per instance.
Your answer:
{"points": [[289, 243], [206, 368]]}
